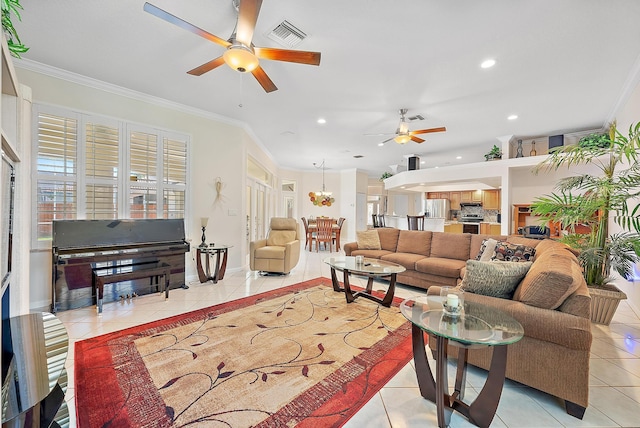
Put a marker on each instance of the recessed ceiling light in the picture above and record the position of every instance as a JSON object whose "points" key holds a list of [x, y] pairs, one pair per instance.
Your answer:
{"points": [[436, 167], [488, 63], [458, 157], [402, 187], [322, 121], [380, 144], [512, 117], [422, 184], [422, 162]]}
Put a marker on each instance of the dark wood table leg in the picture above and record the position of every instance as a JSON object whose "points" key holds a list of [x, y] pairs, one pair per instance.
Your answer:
{"points": [[223, 268], [461, 373], [425, 378], [216, 268], [347, 287], [483, 409], [201, 275], [388, 298], [443, 400]]}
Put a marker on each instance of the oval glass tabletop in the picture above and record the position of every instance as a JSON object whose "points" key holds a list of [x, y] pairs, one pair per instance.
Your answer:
{"points": [[477, 324], [368, 266]]}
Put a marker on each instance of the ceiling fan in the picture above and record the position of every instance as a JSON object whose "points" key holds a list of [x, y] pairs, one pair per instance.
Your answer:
{"points": [[403, 135], [241, 54]]}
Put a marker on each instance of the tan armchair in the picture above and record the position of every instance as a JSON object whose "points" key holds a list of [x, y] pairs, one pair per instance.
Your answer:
{"points": [[280, 252]]}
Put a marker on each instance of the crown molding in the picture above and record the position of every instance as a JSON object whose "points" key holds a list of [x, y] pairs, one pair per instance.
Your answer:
{"points": [[100, 85]]}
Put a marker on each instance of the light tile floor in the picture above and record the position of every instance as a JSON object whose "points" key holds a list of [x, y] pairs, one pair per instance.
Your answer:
{"points": [[615, 359]]}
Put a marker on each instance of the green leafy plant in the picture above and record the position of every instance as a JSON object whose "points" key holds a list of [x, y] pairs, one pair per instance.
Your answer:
{"points": [[385, 175], [583, 203], [494, 153], [12, 7]]}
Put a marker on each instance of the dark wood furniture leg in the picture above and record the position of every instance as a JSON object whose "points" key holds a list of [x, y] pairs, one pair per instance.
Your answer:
{"points": [[575, 410], [482, 411], [201, 274]]}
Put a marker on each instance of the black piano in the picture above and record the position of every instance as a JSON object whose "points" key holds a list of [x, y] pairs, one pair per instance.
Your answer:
{"points": [[83, 248]]}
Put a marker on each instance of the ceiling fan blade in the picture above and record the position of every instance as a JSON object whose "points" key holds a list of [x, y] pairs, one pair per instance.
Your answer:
{"points": [[288, 55], [264, 80], [428, 131], [416, 139], [162, 14], [387, 140], [247, 18], [207, 66]]}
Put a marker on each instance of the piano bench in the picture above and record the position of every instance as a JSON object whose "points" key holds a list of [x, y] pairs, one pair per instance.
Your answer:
{"points": [[112, 274]]}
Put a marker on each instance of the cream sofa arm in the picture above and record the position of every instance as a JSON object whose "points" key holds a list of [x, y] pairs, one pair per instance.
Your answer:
{"points": [[291, 255], [253, 246]]}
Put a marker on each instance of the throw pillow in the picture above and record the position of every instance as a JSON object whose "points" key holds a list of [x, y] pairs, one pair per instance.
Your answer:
{"points": [[368, 240], [487, 249], [493, 279], [508, 252]]}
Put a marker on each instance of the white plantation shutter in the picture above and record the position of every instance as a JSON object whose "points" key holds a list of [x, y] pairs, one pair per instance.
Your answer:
{"points": [[101, 171], [98, 168]]}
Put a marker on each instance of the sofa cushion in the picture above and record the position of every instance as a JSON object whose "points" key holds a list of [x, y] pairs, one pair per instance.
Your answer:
{"points": [[497, 279], [270, 253], [373, 254], [388, 238], [450, 245], [408, 260], [441, 267], [368, 240], [510, 252], [487, 249], [414, 241], [281, 237], [553, 277]]}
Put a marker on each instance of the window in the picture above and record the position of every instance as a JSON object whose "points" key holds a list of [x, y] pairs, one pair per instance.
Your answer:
{"points": [[91, 167]]}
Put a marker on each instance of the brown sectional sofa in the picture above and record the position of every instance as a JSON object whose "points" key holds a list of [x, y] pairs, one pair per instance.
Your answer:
{"points": [[552, 303]]}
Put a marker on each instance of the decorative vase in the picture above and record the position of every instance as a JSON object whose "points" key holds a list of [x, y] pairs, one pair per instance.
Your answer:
{"points": [[519, 150], [533, 149], [604, 302]]}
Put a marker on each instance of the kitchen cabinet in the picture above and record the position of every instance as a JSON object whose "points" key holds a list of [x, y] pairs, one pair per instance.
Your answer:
{"points": [[453, 228], [454, 200], [491, 199], [465, 196], [476, 196], [490, 229], [438, 195]]}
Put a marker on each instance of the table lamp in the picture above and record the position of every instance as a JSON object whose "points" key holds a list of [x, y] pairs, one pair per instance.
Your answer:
{"points": [[203, 223]]}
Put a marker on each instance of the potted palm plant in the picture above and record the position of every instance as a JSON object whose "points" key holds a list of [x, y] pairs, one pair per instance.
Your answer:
{"points": [[583, 205]]}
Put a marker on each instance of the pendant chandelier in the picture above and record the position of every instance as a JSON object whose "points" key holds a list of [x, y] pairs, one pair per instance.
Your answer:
{"points": [[321, 198]]}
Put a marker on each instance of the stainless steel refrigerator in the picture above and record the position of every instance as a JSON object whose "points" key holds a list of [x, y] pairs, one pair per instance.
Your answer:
{"points": [[437, 208]]}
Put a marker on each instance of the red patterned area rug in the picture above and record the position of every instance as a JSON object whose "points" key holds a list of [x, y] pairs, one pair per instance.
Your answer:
{"points": [[297, 356]]}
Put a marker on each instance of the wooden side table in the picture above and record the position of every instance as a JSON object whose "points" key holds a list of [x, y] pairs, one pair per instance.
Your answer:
{"points": [[221, 252]]}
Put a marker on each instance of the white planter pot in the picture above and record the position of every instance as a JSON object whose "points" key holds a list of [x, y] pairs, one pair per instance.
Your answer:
{"points": [[604, 302]]}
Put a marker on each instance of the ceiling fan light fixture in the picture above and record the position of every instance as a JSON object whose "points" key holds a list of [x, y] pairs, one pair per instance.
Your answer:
{"points": [[402, 139], [240, 58]]}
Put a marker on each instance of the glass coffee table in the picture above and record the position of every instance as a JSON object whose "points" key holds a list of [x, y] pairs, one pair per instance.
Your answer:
{"points": [[477, 326], [372, 268]]}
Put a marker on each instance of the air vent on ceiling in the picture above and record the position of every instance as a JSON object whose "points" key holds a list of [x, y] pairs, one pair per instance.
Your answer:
{"points": [[358, 156], [416, 117], [287, 34]]}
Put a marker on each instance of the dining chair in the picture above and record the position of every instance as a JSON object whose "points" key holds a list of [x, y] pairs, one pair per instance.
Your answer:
{"points": [[416, 222], [307, 234], [324, 233], [381, 220], [336, 233]]}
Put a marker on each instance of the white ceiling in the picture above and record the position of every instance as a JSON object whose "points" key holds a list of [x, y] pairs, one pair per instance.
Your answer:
{"points": [[561, 66]]}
